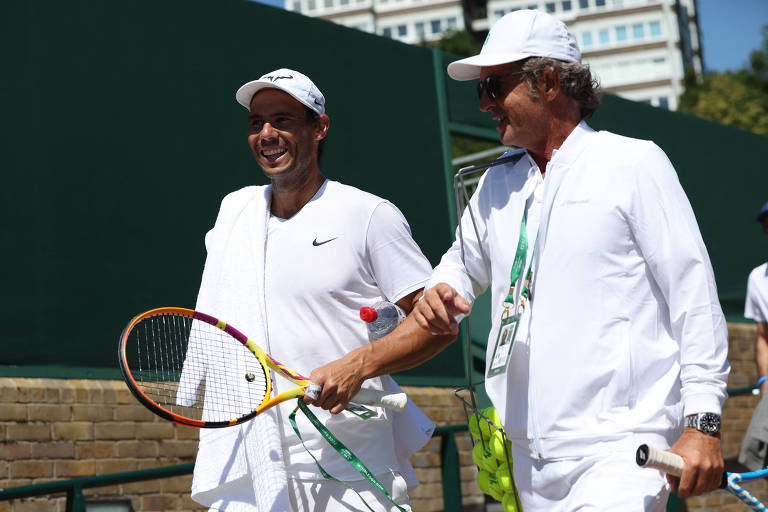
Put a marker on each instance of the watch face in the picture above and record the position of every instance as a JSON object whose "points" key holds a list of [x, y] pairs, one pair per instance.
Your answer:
{"points": [[709, 423]]}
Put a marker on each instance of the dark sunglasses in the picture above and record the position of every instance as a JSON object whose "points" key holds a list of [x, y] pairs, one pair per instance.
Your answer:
{"points": [[490, 84]]}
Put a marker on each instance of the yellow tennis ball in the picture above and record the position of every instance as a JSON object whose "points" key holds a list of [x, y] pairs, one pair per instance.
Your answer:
{"points": [[498, 443], [494, 489], [473, 426], [479, 428], [483, 478], [504, 476], [484, 458], [491, 414], [509, 502]]}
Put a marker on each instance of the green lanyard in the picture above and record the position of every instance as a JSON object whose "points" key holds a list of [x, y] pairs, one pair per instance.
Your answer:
{"points": [[342, 450], [517, 264]]}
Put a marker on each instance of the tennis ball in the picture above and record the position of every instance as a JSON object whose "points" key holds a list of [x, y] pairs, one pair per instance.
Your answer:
{"points": [[491, 414], [504, 476], [483, 478], [494, 489], [509, 502], [484, 458], [479, 428], [498, 443]]}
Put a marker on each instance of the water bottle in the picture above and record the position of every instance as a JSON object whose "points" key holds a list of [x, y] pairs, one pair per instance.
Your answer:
{"points": [[382, 318]]}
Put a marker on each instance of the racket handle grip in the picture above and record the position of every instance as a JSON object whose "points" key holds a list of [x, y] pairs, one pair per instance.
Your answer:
{"points": [[394, 401], [668, 462]]}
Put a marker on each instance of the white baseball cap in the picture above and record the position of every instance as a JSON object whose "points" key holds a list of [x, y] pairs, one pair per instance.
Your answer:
{"points": [[517, 36], [294, 83]]}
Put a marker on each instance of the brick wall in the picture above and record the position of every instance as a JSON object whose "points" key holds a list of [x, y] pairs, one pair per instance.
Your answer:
{"points": [[52, 429]]}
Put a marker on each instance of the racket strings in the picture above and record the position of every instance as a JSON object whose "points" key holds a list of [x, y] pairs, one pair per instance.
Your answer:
{"points": [[194, 369]]}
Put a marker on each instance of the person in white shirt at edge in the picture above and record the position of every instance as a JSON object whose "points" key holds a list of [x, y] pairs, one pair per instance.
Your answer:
{"points": [[756, 306], [621, 340], [327, 249], [754, 448]]}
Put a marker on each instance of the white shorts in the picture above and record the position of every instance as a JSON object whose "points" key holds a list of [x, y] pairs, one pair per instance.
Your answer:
{"points": [[611, 481], [331, 496]]}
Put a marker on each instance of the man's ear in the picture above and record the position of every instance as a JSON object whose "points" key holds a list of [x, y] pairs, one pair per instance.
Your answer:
{"points": [[551, 82], [323, 123]]}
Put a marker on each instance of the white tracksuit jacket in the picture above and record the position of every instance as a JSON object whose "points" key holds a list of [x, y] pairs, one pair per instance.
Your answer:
{"points": [[625, 334]]}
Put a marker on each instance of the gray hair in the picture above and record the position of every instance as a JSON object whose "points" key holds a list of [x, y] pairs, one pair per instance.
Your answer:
{"points": [[575, 79]]}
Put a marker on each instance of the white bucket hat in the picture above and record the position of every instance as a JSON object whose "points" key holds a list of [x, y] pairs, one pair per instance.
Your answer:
{"points": [[517, 36], [294, 83]]}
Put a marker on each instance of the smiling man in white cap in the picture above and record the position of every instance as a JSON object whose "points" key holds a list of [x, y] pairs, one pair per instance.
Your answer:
{"points": [[598, 275], [291, 264]]}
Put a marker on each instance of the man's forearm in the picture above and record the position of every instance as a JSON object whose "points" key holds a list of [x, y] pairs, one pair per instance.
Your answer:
{"points": [[409, 345]]}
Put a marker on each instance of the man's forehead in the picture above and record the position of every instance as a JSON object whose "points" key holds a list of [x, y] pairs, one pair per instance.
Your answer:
{"points": [[271, 100]]}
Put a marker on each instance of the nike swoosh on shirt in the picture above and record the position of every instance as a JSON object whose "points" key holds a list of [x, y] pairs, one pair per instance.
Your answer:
{"points": [[316, 243]]}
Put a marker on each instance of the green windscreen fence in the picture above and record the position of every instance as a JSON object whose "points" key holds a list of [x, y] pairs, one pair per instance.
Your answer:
{"points": [[121, 135]]}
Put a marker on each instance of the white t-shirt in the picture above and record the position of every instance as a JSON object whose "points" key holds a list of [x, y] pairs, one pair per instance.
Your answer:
{"points": [[756, 306], [343, 250]]}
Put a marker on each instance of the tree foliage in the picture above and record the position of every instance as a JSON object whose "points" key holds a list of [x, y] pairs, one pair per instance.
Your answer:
{"points": [[738, 98], [458, 42]]}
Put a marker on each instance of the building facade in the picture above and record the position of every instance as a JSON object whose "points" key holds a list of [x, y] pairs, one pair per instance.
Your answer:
{"points": [[639, 49]]}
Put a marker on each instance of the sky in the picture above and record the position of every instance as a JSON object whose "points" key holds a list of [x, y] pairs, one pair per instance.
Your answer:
{"points": [[730, 30]]}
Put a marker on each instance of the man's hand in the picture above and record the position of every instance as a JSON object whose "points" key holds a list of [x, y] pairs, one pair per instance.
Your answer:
{"points": [[340, 380], [703, 463], [435, 312]]}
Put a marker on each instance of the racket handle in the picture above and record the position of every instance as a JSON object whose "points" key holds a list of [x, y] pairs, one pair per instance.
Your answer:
{"points": [[394, 401], [668, 462]]}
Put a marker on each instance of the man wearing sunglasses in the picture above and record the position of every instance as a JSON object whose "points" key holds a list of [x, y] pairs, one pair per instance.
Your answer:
{"points": [[601, 287]]}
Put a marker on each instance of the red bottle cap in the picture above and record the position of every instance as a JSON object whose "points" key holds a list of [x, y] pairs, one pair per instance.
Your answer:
{"points": [[368, 314]]}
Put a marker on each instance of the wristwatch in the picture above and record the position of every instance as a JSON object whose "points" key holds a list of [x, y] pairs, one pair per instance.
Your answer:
{"points": [[706, 422]]}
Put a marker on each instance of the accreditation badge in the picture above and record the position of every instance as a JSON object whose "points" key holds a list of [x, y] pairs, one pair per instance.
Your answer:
{"points": [[504, 342]]}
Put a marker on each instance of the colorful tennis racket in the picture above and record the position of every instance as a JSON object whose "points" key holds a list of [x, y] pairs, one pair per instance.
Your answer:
{"points": [[194, 369]]}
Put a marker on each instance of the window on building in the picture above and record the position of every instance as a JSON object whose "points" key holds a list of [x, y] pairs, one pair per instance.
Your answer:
{"points": [[603, 36], [297, 6], [583, 4], [566, 5], [533, 7], [638, 31], [451, 22], [659, 60], [387, 32], [621, 33], [498, 13], [586, 39], [550, 6], [599, 3], [664, 102], [328, 3], [344, 2], [402, 30], [655, 28], [419, 27], [436, 26]]}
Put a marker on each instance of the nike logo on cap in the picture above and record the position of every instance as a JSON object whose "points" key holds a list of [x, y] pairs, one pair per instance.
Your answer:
{"points": [[316, 243]]}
